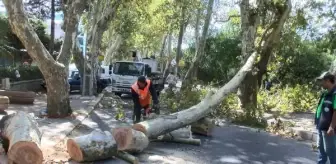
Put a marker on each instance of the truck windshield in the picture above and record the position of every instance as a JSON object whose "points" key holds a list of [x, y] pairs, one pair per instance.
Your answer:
{"points": [[130, 69]]}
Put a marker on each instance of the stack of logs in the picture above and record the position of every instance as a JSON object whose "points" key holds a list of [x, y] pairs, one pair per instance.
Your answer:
{"points": [[124, 141]]}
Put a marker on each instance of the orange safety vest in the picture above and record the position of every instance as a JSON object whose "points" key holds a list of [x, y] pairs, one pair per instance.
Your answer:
{"points": [[144, 94]]}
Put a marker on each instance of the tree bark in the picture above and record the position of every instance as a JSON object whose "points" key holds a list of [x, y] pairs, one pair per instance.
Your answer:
{"points": [[270, 40], [165, 124], [95, 146], [168, 64], [200, 47], [55, 74], [24, 137], [249, 22], [164, 40], [190, 141], [99, 26], [52, 28], [72, 11], [180, 38]]}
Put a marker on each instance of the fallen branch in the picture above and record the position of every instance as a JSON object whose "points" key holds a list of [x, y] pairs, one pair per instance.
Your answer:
{"points": [[95, 146], [162, 125], [21, 138], [191, 141]]}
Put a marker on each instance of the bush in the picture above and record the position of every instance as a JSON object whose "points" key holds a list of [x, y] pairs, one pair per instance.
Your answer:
{"points": [[26, 72], [300, 98], [182, 100]]}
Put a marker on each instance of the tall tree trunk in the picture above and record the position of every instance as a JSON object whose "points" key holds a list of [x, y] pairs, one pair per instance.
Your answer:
{"points": [[201, 46], [269, 40], [249, 22], [180, 39], [164, 40], [100, 24], [112, 49], [52, 28], [168, 64], [198, 17], [58, 103]]}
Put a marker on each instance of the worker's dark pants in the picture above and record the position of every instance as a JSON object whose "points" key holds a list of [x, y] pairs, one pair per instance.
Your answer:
{"points": [[137, 114]]}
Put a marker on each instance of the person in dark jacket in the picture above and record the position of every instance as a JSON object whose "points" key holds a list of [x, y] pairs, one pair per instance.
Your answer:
{"points": [[142, 93], [325, 120]]}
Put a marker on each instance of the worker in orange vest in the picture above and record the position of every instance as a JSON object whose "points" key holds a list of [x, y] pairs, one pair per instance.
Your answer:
{"points": [[142, 92]]}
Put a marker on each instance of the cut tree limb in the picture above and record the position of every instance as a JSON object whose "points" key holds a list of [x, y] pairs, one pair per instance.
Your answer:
{"points": [[203, 126], [191, 141], [95, 146], [24, 137], [182, 135], [162, 125]]}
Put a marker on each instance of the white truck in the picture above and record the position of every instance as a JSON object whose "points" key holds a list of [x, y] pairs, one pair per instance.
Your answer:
{"points": [[126, 73]]}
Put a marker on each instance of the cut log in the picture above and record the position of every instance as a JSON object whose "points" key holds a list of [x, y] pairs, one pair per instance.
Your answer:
{"points": [[4, 100], [19, 97], [4, 103], [130, 140], [164, 124], [24, 137], [95, 146], [203, 126]]}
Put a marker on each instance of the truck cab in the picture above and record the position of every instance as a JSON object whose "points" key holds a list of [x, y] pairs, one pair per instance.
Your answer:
{"points": [[126, 73]]}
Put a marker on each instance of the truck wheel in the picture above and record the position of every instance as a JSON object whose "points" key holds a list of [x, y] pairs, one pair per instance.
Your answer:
{"points": [[118, 94]]}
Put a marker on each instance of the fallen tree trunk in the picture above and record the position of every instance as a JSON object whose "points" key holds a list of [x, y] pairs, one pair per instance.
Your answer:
{"points": [[24, 137], [164, 124], [95, 146], [203, 126]]}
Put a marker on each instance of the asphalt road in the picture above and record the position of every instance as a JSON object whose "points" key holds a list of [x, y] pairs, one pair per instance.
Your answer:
{"points": [[230, 145]]}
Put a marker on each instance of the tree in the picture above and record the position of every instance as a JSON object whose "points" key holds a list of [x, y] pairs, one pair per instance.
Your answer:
{"points": [[270, 15], [199, 46], [54, 71]]}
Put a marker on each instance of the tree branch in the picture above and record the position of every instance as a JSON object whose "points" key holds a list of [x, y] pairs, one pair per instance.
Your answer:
{"points": [[72, 13]]}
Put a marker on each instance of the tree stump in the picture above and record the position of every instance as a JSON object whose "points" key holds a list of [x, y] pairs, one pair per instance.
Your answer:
{"points": [[203, 126], [24, 137]]}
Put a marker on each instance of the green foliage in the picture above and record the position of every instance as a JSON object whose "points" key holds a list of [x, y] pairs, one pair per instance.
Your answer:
{"points": [[26, 72], [220, 61], [182, 100], [300, 98], [10, 43]]}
